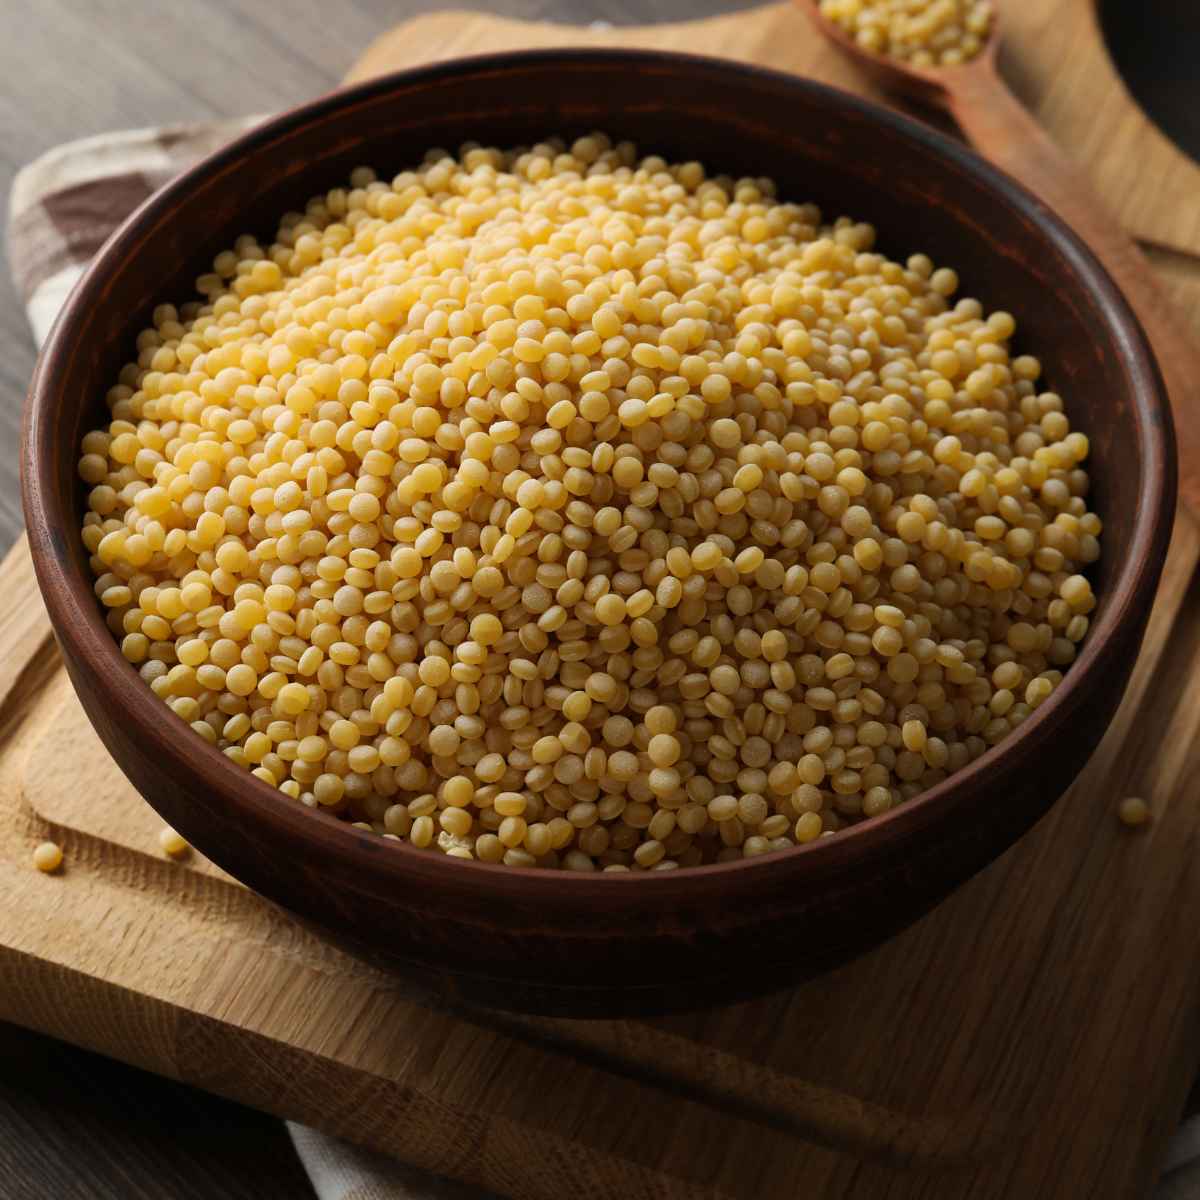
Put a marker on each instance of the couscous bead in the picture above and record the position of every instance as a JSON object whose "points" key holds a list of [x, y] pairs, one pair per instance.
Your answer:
{"points": [[557, 508], [47, 857], [172, 842], [1133, 811]]}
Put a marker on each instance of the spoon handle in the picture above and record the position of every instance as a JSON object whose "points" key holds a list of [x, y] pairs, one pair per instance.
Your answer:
{"points": [[1004, 131]]}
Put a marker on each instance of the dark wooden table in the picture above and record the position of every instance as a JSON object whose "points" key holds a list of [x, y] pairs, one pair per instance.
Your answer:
{"points": [[73, 1125]]}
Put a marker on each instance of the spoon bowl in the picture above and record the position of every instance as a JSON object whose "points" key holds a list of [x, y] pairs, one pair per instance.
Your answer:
{"points": [[928, 85]]}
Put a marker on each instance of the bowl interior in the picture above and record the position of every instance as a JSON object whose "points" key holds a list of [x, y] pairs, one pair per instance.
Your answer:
{"points": [[922, 194]]}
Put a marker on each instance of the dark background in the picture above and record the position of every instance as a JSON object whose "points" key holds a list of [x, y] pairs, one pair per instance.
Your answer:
{"points": [[75, 1126]]}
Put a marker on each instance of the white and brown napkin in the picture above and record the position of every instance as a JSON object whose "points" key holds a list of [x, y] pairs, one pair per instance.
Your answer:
{"points": [[62, 208]]}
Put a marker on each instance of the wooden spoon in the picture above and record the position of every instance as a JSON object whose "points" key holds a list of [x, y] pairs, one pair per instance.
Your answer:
{"points": [[1007, 134]]}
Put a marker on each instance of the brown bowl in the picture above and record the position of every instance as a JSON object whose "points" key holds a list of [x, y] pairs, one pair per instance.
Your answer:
{"points": [[556, 941]]}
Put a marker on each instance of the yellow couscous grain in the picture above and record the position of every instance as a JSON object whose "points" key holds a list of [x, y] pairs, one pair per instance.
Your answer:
{"points": [[1133, 811], [48, 857], [172, 842]]}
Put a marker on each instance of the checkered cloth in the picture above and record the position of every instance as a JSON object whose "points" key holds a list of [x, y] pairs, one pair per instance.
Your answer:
{"points": [[63, 207]]}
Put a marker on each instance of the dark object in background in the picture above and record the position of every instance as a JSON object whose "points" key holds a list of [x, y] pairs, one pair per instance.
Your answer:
{"points": [[1156, 48]]}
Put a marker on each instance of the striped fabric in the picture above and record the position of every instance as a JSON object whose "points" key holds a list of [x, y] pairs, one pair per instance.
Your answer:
{"points": [[65, 204], [62, 208]]}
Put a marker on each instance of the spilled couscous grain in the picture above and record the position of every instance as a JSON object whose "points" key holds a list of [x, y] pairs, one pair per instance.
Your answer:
{"points": [[1133, 811], [172, 843], [48, 857]]}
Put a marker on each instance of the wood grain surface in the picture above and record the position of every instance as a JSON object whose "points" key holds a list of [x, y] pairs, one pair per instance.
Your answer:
{"points": [[77, 1125]]}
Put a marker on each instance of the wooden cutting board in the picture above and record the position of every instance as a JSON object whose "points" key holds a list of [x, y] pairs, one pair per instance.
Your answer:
{"points": [[1033, 1037]]}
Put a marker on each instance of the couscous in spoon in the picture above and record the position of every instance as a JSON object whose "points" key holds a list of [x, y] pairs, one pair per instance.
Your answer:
{"points": [[976, 96]]}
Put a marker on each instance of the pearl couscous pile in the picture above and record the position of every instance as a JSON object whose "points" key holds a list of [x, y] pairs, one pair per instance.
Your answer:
{"points": [[559, 508], [923, 33]]}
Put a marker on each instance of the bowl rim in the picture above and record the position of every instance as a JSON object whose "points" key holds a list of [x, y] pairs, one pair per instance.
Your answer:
{"points": [[321, 836]]}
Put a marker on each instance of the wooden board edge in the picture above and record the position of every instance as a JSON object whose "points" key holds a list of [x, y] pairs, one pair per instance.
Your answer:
{"points": [[416, 1128]]}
